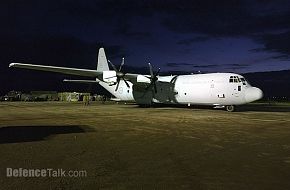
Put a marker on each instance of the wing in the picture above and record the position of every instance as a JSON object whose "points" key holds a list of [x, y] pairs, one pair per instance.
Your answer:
{"points": [[132, 77], [64, 70]]}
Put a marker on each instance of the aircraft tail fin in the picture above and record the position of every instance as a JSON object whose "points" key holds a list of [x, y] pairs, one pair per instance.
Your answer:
{"points": [[102, 61]]}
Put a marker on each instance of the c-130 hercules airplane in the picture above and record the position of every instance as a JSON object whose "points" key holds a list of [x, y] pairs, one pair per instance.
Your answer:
{"points": [[221, 90]]}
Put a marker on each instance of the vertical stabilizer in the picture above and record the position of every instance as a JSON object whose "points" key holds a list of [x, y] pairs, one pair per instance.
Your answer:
{"points": [[102, 61]]}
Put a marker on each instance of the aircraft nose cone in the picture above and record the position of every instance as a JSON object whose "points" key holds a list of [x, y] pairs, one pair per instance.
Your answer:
{"points": [[253, 94]]}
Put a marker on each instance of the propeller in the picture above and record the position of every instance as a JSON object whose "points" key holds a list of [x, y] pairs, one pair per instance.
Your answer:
{"points": [[119, 74], [153, 77]]}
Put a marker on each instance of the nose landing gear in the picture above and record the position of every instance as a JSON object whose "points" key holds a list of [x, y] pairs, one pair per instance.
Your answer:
{"points": [[230, 108]]}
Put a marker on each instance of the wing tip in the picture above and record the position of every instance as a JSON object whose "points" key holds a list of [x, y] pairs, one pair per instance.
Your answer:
{"points": [[12, 64]]}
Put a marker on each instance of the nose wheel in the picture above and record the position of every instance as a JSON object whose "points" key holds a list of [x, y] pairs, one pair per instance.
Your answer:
{"points": [[230, 108]]}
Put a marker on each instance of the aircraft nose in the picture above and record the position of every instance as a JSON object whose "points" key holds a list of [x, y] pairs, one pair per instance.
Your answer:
{"points": [[253, 94]]}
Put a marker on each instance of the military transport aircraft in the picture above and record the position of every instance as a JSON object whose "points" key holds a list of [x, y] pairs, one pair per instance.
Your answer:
{"points": [[220, 90]]}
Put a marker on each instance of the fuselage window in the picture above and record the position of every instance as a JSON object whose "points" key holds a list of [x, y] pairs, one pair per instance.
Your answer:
{"points": [[231, 79], [239, 88], [236, 79]]}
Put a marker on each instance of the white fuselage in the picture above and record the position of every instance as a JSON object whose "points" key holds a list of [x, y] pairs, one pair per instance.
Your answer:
{"points": [[200, 89]]}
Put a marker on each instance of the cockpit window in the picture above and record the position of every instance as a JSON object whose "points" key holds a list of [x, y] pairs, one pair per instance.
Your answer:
{"points": [[234, 79], [243, 81]]}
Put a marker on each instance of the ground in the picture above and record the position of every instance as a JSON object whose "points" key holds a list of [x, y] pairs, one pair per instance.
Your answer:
{"points": [[127, 147]]}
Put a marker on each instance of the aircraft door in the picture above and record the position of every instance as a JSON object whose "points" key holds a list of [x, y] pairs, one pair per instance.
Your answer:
{"points": [[238, 90], [237, 85]]}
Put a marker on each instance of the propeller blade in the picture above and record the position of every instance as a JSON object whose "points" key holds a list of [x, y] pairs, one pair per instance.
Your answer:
{"points": [[147, 77], [115, 69], [153, 78], [157, 73], [151, 69], [148, 86], [122, 63], [118, 82], [126, 83], [155, 88]]}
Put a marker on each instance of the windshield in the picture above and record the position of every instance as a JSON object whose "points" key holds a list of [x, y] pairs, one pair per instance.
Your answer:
{"points": [[234, 79], [245, 81], [237, 79]]}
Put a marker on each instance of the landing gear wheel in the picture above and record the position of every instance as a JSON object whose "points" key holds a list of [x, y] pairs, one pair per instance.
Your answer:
{"points": [[230, 108]]}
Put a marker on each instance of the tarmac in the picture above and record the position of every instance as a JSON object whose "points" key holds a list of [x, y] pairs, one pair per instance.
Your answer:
{"points": [[123, 146]]}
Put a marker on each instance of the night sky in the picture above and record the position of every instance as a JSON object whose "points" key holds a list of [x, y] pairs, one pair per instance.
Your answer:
{"points": [[200, 35]]}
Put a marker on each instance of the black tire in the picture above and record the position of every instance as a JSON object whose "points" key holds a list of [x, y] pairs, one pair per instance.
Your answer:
{"points": [[230, 108]]}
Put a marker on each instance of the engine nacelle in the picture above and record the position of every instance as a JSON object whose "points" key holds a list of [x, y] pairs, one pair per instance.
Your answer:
{"points": [[109, 77], [142, 78]]}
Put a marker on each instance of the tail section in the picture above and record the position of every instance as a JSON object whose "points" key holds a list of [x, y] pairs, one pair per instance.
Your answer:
{"points": [[102, 61]]}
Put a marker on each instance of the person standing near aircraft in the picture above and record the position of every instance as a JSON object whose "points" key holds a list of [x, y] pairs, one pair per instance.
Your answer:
{"points": [[86, 100]]}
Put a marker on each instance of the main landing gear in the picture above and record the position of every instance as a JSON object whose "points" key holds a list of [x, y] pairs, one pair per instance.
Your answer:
{"points": [[230, 108]]}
